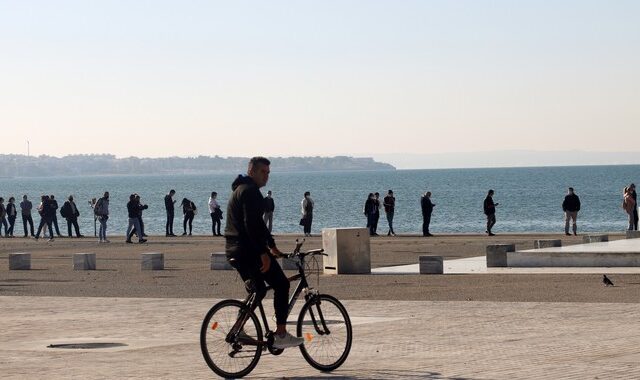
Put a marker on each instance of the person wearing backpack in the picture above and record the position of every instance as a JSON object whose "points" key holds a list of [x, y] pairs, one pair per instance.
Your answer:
{"points": [[101, 210], [70, 212]]}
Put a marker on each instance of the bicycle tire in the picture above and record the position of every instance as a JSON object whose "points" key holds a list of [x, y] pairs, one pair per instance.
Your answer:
{"points": [[315, 345], [217, 352]]}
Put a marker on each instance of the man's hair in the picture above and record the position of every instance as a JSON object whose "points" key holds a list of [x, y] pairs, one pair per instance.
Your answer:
{"points": [[306, 193], [378, 194], [571, 188], [490, 192], [172, 191], [258, 160]]}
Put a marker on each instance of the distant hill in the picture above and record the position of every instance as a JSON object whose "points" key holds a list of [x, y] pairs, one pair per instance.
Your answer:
{"points": [[100, 164]]}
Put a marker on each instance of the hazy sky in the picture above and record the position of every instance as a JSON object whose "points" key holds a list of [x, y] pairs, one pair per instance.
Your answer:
{"points": [[279, 78]]}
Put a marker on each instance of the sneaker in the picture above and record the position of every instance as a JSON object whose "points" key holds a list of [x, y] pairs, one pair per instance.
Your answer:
{"points": [[51, 239], [286, 341], [142, 241], [492, 234], [128, 241], [106, 241], [184, 234]]}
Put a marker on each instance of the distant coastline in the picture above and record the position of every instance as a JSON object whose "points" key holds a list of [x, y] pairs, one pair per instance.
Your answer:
{"points": [[22, 166]]}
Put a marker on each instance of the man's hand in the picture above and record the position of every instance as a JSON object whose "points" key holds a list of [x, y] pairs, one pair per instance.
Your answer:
{"points": [[266, 262], [275, 252]]}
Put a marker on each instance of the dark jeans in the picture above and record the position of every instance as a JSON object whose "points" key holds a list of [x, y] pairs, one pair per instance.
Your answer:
{"points": [[426, 220], [370, 224], [249, 269], [48, 222], [169, 226], [635, 218], [307, 224], [55, 225], [12, 222], [215, 225], [135, 230], [188, 218], [390, 221], [27, 219], [73, 222], [491, 221], [3, 222]]}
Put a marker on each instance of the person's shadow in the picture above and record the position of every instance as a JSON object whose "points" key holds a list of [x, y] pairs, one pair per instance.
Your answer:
{"points": [[382, 374]]}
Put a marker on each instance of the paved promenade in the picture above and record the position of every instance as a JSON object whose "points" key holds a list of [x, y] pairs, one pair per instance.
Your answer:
{"points": [[393, 340]]}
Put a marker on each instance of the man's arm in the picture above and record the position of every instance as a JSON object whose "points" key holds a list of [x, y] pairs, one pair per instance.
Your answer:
{"points": [[257, 232]]}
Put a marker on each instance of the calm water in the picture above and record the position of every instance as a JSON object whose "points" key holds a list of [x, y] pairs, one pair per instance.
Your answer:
{"points": [[530, 198]]}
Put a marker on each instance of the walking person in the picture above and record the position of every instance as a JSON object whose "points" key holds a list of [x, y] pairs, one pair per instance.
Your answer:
{"points": [[25, 211], [140, 207], [189, 211], [133, 210], [306, 206], [12, 214], [269, 208], [101, 211], [571, 206], [251, 248], [490, 211], [169, 204], [54, 216], [368, 212], [46, 216], [629, 204], [427, 209], [632, 190], [3, 218], [389, 203], [70, 212], [216, 214]]}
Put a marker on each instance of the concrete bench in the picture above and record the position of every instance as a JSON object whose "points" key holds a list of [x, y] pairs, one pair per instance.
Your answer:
{"points": [[431, 265], [152, 261], [595, 238], [84, 261], [348, 250], [497, 254], [632, 234], [219, 261], [547, 243], [19, 261]]}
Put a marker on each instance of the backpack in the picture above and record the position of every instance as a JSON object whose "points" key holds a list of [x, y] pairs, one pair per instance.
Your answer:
{"points": [[97, 209], [64, 210]]}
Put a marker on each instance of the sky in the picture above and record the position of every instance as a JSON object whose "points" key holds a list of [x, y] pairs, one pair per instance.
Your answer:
{"points": [[305, 78]]}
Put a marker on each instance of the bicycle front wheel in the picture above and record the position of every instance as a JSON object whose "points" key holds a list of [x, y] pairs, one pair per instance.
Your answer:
{"points": [[326, 328], [230, 357]]}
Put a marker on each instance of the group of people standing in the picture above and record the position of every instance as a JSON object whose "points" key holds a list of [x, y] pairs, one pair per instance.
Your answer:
{"points": [[371, 211], [630, 206]]}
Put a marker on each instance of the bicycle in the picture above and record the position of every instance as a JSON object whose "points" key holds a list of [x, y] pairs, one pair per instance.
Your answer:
{"points": [[231, 336]]}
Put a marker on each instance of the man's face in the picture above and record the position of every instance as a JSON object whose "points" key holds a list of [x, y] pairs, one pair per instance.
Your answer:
{"points": [[106, 195], [260, 174]]}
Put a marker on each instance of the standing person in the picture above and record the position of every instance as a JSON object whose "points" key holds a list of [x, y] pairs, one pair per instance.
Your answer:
{"points": [[632, 191], [189, 211], [101, 211], [389, 203], [216, 214], [3, 218], [490, 212], [307, 213], [54, 215], [269, 208], [375, 217], [45, 210], [368, 212], [570, 206], [251, 249], [12, 213], [70, 212], [25, 210], [169, 203], [629, 204], [427, 209], [133, 210]]}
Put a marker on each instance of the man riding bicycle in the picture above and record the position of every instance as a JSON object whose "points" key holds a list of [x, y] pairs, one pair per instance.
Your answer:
{"points": [[250, 247]]}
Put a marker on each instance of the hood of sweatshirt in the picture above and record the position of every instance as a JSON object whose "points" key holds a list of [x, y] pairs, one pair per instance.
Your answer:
{"points": [[241, 180]]}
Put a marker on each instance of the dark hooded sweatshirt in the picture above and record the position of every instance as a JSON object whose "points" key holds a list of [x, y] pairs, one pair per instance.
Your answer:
{"points": [[246, 234]]}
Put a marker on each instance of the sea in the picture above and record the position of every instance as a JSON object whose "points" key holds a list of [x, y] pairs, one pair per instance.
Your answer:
{"points": [[530, 199]]}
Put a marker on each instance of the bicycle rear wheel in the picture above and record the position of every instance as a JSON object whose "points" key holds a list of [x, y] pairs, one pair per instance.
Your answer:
{"points": [[326, 328], [230, 358]]}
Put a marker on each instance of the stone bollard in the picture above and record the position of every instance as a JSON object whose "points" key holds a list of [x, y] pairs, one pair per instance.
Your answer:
{"points": [[348, 250], [431, 265], [632, 234], [152, 261], [547, 243], [219, 261], [19, 261], [595, 238], [497, 254], [84, 261]]}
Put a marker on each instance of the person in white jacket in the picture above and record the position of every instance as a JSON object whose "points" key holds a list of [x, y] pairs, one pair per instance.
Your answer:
{"points": [[307, 213], [216, 214]]}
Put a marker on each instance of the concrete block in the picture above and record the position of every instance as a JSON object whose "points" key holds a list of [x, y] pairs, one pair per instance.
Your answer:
{"points": [[219, 261], [632, 234], [431, 265], [348, 250], [19, 261], [547, 243], [497, 254], [152, 261], [595, 238], [84, 261]]}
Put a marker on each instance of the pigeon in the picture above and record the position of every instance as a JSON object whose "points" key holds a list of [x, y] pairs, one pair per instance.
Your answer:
{"points": [[606, 281]]}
